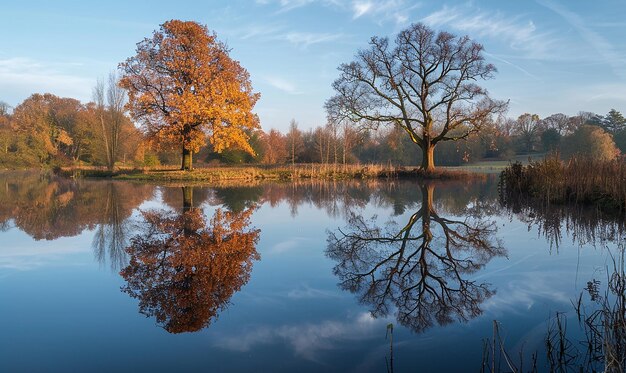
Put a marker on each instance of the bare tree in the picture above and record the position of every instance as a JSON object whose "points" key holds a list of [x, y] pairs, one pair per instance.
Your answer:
{"points": [[110, 99], [559, 122], [5, 109], [527, 129], [425, 83], [294, 138]]}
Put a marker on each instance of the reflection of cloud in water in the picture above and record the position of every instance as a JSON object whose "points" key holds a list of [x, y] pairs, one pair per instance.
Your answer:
{"points": [[22, 255], [307, 292], [519, 294], [307, 340], [287, 246]]}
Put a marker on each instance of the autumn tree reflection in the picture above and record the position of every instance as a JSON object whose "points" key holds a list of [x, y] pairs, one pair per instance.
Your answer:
{"points": [[420, 270], [184, 271]]}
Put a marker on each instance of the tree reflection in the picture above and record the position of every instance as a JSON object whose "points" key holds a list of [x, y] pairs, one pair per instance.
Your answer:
{"points": [[184, 271], [48, 207], [421, 269]]}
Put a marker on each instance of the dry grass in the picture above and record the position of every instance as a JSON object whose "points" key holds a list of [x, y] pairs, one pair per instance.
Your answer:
{"points": [[260, 173], [580, 181]]}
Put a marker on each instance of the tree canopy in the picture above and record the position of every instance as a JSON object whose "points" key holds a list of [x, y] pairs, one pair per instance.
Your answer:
{"points": [[183, 86], [424, 82]]}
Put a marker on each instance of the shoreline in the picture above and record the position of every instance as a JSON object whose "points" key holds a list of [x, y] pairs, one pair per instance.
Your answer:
{"points": [[255, 173]]}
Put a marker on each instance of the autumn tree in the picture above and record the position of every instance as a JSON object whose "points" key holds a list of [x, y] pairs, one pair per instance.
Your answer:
{"points": [[47, 124], [589, 141], [183, 86], [5, 130], [423, 82], [275, 148]]}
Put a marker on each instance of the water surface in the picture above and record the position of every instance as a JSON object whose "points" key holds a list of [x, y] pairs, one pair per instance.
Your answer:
{"points": [[115, 276]]}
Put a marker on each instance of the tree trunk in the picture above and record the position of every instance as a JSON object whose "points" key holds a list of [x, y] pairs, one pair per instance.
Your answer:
{"points": [[428, 158], [187, 161], [107, 149], [187, 198], [427, 209]]}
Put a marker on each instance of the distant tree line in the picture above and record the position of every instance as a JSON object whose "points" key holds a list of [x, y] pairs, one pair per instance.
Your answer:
{"points": [[46, 131]]}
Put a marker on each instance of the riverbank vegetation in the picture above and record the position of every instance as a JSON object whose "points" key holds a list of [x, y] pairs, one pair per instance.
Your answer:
{"points": [[580, 180], [46, 131], [269, 173]]}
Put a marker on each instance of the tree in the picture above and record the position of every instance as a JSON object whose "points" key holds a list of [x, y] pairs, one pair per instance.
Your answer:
{"points": [[5, 130], [110, 115], [527, 130], [47, 122], [294, 141], [5, 109], [183, 86], [612, 122], [550, 139], [425, 84], [561, 123], [276, 148], [589, 141]]}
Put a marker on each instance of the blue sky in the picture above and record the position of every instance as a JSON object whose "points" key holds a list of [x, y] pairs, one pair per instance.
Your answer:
{"points": [[552, 56]]}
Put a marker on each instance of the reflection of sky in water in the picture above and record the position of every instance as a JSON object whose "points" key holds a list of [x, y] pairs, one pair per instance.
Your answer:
{"points": [[62, 310]]}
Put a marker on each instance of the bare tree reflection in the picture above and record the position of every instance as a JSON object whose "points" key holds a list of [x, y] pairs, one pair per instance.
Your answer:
{"points": [[421, 269], [112, 232], [184, 271]]}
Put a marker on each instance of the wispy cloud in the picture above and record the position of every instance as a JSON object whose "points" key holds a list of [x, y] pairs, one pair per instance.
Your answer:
{"points": [[280, 32], [24, 76], [520, 34], [306, 39], [287, 87], [602, 46], [388, 10], [361, 8], [289, 5], [515, 66]]}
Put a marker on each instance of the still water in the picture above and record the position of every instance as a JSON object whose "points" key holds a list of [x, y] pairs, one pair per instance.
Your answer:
{"points": [[348, 276]]}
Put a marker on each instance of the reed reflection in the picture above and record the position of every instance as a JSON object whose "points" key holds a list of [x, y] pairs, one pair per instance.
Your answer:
{"points": [[420, 269], [184, 271], [583, 224]]}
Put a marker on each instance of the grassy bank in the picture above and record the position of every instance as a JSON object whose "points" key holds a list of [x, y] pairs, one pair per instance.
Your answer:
{"points": [[286, 173], [580, 180]]}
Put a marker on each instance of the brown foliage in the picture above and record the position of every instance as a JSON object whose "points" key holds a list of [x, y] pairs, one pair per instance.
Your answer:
{"points": [[184, 272], [183, 85]]}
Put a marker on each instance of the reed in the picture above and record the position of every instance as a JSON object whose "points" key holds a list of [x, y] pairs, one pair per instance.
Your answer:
{"points": [[261, 172], [579, 180]]}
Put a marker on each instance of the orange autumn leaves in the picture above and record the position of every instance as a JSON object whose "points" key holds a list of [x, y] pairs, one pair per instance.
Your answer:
{"points": [[184, 272], [183, 88]]}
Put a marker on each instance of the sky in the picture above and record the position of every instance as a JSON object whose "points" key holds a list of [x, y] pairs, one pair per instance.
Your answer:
{"points": [[552, 56]]}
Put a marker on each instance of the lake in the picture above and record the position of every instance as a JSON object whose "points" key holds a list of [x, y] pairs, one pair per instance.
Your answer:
{"points": [[104, 276]]}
